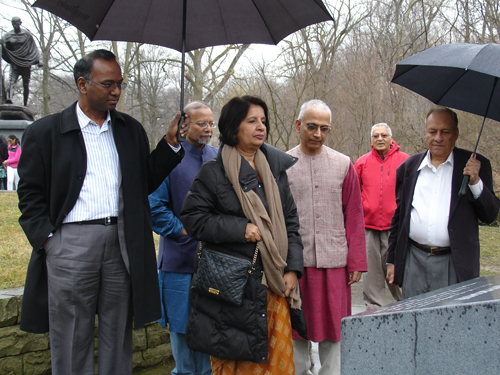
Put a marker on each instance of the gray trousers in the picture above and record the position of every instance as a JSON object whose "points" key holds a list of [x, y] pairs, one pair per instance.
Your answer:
{"points": [[329, 357], [87, 276], [377, 243], [425, 272]]}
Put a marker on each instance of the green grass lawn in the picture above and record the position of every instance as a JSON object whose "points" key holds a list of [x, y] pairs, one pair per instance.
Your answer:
{"points": [[15, 250]]}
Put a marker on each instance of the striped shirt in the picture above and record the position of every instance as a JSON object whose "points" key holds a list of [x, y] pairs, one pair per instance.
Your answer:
{"points": [[99, 196]]}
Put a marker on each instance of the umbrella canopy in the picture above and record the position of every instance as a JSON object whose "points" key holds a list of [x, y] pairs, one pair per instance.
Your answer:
{"points": [[459, 75], [208, 22], [185, 25]]}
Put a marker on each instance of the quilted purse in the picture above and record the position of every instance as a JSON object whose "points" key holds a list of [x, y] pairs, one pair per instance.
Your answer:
{"points": [[222, 276]]}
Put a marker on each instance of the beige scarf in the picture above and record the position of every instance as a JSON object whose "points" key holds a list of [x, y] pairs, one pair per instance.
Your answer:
{"points": [[274, 244]]}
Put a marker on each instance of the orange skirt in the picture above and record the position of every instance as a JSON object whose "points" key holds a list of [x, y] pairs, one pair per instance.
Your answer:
{"points": [[279, 347]]}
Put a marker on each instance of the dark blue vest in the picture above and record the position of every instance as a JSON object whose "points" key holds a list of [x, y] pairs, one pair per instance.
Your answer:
{"points": [[177, 254]]}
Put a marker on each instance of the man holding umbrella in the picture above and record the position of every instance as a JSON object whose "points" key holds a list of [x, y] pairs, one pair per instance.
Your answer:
{"points": [[85, 177], [434, 236]]}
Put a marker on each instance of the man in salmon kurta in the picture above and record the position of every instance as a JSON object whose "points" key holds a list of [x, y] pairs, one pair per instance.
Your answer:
{"points": [[327, 194]]}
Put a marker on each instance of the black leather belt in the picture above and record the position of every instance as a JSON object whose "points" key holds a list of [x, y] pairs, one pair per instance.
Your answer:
{"points": [[110, 220], [433, 250]]}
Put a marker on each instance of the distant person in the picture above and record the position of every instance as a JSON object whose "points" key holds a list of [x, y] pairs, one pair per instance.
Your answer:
{"points": [[434, 235], [177, 250], [238, 200], [326, 189], [377, 179], [14, 151], [4, 155], [86, 173], [20, 51]]}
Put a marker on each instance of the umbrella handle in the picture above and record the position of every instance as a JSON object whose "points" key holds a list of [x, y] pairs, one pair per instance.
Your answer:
{"points": [[465, 184]]}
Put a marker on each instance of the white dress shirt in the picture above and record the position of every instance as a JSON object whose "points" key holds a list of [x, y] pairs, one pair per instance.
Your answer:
{"points": [[99, 196], [431, 202]]}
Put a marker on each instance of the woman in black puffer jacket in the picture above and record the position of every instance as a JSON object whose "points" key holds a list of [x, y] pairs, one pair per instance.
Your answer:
{"points": [[240, 338]]}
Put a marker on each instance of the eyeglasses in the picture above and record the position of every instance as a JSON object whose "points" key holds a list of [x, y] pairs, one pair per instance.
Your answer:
{"points": [[205, 125], [112, 86], [383, 136], [314, 128]]}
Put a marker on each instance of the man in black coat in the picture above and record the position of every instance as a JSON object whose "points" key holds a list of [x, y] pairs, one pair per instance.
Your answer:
{"points": [[434, 235], [85, 178]]}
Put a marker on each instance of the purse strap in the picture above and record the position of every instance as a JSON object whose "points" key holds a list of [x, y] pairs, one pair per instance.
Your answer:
{"points": [[250, 271]]}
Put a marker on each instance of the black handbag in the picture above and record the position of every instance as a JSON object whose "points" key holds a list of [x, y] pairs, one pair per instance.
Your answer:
{"points": [[222, 276]]}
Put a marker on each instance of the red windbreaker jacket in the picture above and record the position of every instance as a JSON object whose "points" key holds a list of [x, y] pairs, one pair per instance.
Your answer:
{"points": [[377, 179]]}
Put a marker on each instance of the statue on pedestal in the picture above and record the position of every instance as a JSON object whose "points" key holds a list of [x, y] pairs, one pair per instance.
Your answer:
{"points": [[20, 51]]}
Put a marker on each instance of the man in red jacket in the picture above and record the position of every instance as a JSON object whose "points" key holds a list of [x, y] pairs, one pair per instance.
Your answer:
{"points": [[377, 178]]}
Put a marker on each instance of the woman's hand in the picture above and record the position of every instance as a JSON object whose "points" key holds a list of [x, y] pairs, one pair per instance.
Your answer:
{"points": [[252, 233], [290, 279]]}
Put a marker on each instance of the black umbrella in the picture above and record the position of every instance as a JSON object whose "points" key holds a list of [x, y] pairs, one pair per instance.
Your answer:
{"points": [[189, 24], [459, 75]]}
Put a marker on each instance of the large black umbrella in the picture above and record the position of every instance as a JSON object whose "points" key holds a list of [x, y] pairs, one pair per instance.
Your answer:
{"points": [[185, 25], [459, 75]]}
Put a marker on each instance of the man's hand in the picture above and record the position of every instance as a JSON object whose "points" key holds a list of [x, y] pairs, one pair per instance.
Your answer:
{"points": [[472, 169], [354, 277], [172, 129], [290, 279], [390, 274], [252, 233]]}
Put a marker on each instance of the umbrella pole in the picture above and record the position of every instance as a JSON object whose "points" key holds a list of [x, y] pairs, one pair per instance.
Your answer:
{"points": [[465, 181], [183, 60]]}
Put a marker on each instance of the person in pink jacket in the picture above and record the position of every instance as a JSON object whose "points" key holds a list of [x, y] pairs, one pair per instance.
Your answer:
{"points": [[14, 151], [377, 179]]}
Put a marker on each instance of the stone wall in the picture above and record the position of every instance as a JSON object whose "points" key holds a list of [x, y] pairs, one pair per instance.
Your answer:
{"points": [[24, 353]]}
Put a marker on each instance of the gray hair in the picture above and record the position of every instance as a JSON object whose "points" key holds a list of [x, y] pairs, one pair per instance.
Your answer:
{"points": [[194, 106], [316, 104], [381, 124]]}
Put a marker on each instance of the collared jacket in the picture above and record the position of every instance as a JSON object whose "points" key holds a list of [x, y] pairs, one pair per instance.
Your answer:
{"points": [[377, 179], [212, 213], [465, 211], [52, 168]]}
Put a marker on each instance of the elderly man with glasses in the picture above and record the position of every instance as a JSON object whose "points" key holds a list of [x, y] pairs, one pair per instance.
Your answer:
{"points": [[377, 178], [177, 249], [326, 191], [434, 239]]}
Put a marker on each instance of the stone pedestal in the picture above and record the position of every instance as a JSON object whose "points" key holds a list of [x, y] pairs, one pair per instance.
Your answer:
{"points": [[14, 119], [454, 330]]}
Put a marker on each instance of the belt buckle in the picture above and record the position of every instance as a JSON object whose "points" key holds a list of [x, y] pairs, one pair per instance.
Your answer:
{"points": [[107, 220], [435, 248]]}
